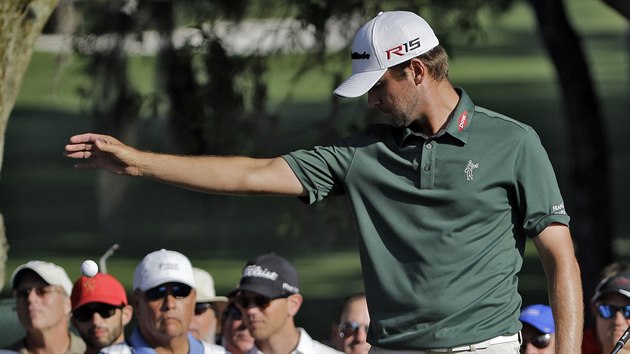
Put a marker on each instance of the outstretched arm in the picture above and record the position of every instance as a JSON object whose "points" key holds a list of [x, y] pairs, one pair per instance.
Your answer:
{"points": [[555, 249], [210, 174]]}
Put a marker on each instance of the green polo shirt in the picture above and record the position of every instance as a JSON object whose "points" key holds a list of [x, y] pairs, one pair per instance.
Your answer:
{"points": [[442, 222]]}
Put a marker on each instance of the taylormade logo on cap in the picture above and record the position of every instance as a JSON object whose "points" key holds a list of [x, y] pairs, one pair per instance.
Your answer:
{"points": [[388, 39]]}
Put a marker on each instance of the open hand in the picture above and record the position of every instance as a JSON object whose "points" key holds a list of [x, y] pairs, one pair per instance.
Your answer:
{"points": [[104, 152]]}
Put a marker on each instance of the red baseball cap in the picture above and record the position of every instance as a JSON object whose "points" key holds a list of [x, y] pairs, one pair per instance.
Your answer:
{"points": [[102, 288]]}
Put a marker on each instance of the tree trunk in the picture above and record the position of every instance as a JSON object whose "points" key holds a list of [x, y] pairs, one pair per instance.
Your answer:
{"points": [[621, 6], [21, 23], [591, 223]]}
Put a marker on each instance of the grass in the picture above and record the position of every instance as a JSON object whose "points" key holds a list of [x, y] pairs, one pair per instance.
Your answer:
{"points": [[50, 208]]}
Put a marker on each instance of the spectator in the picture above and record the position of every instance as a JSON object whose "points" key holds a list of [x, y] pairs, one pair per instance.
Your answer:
{"points": [[611, 308], [350, 332], [42, 292], [538, 330], [207, 307], [444, 195], [100, 312], [235, 336], [268, 296], [164, 302]]}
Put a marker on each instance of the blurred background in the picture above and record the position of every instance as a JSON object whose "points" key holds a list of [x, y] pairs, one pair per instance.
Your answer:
{"points": [[244, 77]]}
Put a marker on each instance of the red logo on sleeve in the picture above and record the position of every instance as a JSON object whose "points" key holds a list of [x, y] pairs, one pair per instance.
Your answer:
{"points": [[462, 121]]}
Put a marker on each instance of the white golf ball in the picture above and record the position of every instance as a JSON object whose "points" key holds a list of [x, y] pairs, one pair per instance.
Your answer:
{"points": [[89, 268]]}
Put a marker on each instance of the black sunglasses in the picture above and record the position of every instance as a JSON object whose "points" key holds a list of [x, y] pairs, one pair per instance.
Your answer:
{"points": [[86, 313], [202, 307], [540, 341], [177, 290], [349, 329], [607, 311], [260, 301]]}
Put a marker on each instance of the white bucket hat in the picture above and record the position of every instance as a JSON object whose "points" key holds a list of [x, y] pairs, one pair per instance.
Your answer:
{"points": [[204, 285]]}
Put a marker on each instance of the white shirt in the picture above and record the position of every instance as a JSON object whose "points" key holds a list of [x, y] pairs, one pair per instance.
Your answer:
{"points": [[306, 345]]}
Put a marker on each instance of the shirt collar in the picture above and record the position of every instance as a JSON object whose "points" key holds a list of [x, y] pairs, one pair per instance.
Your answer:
{"points": [[457, 125], [140, 346]]}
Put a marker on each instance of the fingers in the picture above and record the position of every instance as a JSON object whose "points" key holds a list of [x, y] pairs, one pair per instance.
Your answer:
{"points": [[88, 138], [83, 146], [79, 151]]}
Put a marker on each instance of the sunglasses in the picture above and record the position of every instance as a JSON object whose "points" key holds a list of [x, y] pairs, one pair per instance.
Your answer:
{"points": [[260, 301], [540, 341], [202, 307], [607, 312], [40, 292], [349, 329], [86, 313], [177, 290]]}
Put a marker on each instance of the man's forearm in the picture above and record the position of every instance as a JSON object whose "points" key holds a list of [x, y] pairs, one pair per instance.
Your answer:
{"points": [[565, 294], [221, 175], [564, 284]]}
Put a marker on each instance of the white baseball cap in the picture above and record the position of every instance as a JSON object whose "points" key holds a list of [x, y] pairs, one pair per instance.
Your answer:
{"points": [[49, 272], [388, 39], [204, 285], [162, 267]]}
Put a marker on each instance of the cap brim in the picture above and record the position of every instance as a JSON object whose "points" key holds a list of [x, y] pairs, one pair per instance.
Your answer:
{"points": [[109, 300], [536, 324], [256, 288], [599, 295], [67, 288], [358, 84], [165, 280], [212, 299]]}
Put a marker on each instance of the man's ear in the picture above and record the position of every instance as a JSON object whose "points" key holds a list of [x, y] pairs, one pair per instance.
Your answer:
{"points": [[127, 314], [418, 70], [294, 303], [67, 306]]}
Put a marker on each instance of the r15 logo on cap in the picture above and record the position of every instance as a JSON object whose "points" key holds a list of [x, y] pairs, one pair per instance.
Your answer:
{"points": [[404, 48]]}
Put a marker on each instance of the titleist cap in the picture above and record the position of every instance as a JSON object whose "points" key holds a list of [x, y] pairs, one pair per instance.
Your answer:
{"points": [[269, 275], [388, 39]]}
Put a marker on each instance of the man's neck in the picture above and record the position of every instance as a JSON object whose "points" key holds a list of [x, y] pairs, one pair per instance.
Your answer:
{"points": [[174, 345], [168, 345], [53, 340], [92, 350], [440, 102], [283, 342]]}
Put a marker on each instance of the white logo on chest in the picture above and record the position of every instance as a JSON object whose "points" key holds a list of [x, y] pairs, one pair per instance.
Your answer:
{"points": [[469, 170]]}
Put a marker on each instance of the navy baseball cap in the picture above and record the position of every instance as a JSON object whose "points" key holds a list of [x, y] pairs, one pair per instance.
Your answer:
{"points": [[539, 317], [269, 275]]}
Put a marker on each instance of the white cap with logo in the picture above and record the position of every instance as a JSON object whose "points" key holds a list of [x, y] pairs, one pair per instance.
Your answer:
{"points": [[388, 39], [204, 285], [49, 272], [162, 267]]}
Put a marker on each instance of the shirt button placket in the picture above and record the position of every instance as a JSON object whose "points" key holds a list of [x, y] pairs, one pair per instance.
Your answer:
{"points": [[427, 165]]}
